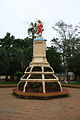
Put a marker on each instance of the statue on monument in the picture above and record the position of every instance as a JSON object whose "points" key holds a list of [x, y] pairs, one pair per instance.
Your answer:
{"points": [[39, 31], [39, 27]]}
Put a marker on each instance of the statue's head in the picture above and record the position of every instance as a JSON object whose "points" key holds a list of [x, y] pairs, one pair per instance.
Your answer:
{"points": [[39, 21]]}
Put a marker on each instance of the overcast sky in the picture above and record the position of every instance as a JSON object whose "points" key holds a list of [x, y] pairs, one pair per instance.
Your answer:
{"points": [[16, 14]]}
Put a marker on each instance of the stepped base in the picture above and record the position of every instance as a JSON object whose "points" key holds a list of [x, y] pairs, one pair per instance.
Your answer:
{"points": [[35, 95]]}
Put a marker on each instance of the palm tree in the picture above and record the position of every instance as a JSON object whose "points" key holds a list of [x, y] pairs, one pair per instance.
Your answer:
{"points": [[32, 30], [22, 56], [5, 59]]}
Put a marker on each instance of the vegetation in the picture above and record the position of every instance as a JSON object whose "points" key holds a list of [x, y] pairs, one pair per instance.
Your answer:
{"points": [[32, 30], [18, 74], [8, 83], [73, 83], [15, 54], [54, 58], [63, 55], [68, 44]]}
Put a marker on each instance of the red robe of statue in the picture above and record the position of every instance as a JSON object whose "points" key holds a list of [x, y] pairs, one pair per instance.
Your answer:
{"points": [[39, 27]]}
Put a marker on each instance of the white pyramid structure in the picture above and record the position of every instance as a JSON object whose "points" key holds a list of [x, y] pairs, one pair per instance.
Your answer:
{"points": [[39, 76]]}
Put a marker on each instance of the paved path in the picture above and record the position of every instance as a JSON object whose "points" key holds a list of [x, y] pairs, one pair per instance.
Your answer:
{"points": [[12, 108]]}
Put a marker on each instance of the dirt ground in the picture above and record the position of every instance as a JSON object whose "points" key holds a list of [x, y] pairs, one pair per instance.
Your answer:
{"points": [[12, 108]]}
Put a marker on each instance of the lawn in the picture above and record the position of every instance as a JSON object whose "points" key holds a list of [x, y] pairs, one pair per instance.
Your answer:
{"points": [[7, 83], [73, 83]]}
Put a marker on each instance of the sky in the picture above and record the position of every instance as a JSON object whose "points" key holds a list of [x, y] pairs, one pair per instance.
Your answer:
{"points": [[16, 15]]}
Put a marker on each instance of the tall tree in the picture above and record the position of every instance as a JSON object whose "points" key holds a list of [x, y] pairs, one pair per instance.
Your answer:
{"points": [[5, 59], [66, 42], [74, 63]]}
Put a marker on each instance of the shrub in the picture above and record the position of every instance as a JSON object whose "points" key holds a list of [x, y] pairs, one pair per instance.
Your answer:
{"points": [[18, 74]]}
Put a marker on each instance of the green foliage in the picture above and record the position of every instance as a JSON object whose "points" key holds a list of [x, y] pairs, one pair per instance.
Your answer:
{"points": [[32, 30], [7, 41], [74, 63], [54, 58], [66, 42], [5, 59], [22, 56], [18, 74], [15, 54]]}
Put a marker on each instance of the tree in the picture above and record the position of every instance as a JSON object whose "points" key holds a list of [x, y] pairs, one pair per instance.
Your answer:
{"points": [[15, 54], [65, 42], [54, 58], [5, 60], [28, 42], [74, 63], [18, 43], [22, 52], [32, 30], [22, 56], [7, 41]]}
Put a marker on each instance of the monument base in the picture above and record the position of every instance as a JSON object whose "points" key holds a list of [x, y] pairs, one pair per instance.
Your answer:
{"points": [[39, 79], [32, 95]]}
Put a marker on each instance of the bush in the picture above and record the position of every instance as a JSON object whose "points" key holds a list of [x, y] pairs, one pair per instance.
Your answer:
{"points": [[18, 74]]}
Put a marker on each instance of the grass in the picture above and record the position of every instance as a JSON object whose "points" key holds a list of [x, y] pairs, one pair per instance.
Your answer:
{"points": [[73, 83], [7, 83]]}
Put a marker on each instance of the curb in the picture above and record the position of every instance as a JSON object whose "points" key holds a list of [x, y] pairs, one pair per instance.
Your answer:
{"points": [[20, 94], [3, 86], [72, 86]]}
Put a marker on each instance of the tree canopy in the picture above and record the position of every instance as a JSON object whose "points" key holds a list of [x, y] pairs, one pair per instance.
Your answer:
{"points": [[66, 41]]}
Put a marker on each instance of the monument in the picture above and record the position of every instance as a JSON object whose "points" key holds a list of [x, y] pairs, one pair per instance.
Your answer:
{"points": [[39, 79]]}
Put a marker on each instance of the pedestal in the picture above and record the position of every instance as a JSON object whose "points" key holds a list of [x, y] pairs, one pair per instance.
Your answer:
{"points": [[39, 54]]}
